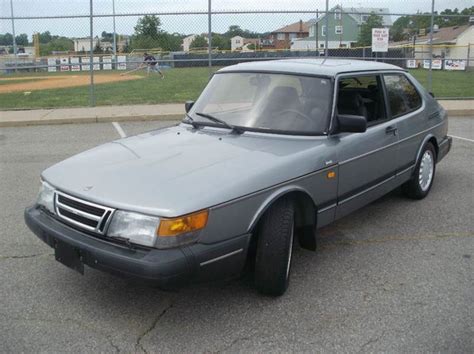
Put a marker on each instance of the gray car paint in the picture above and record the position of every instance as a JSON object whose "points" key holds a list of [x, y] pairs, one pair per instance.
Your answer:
{"points": [[178, 170]]}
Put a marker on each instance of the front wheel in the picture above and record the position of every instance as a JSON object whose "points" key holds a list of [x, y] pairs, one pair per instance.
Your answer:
{"points": [[419, 186], [274, 248]]}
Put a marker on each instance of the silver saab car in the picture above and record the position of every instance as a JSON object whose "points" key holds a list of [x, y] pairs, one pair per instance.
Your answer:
{"points": [[269, 153]]}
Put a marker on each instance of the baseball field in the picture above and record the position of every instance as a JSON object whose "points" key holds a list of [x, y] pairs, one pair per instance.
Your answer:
{"points": [[52, 90]]}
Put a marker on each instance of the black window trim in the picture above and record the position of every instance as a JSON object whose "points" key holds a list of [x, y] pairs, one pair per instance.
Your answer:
{"points": [[379, 76], [387, 104]]}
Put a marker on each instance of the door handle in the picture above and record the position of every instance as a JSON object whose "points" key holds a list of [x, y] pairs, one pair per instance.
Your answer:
{"points": [[391, 130]]}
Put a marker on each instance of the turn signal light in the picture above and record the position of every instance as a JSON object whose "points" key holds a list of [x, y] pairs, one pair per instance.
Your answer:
{"points": [[183, 224]]}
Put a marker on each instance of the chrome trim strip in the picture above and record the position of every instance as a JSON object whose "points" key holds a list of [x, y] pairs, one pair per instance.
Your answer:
{"points": [[405, 170], [366, 190], [221, 257], [327, 208], [389, 145], [78, 212]]}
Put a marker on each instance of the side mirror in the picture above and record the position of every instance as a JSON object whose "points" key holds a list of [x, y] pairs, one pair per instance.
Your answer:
{"points": [[188, 105], [348, 123]]}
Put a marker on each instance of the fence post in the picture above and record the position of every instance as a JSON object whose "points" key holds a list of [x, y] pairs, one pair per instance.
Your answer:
{"points": [[15, 51], [468, 56], [91, 56], [115, 36], [430, 74], [209, 36], [326, 52]]}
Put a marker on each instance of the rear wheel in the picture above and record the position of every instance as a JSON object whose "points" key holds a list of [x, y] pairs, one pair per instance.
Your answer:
{"points": [[419, 186], [274, 248]]}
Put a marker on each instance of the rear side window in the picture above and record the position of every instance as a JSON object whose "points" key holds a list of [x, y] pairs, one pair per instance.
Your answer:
{"points": [[402, 95]]}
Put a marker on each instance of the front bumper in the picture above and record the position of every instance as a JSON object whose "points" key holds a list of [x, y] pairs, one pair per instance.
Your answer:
{"points": [[166, 268]]}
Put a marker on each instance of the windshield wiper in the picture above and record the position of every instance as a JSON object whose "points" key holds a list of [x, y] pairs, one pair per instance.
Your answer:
{"points": [[235, 129], [192, 121]]}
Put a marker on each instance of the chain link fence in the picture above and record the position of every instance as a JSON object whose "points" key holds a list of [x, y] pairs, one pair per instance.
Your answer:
{"points": [[81, 52]]}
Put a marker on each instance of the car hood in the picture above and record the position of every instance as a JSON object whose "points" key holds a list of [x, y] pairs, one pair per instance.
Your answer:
{"points": [[177, 170]]}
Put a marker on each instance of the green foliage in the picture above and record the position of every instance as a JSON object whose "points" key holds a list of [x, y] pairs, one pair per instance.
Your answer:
{"points": [[199, 42], [220, 42], [407, 26], [57, 44], [148, 27], [7, 39], [45, 37], [235, 30], [365, 33], [97, 48]]}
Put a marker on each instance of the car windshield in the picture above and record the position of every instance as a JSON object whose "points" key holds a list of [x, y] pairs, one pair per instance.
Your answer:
{"points": [[276, 102]]}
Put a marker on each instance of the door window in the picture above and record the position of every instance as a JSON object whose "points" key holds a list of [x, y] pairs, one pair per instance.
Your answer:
{"points": [[402, 95], [362, 96]]}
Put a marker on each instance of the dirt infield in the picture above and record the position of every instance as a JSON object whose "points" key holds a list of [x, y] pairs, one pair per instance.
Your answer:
{"points": [[34, 83]]}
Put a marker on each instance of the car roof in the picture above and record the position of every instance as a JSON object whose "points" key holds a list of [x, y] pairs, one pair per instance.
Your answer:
{"points": [[323, 67]]}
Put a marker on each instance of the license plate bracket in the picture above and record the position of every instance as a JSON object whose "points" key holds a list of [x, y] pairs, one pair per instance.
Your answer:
{"points": [[69, 256]]}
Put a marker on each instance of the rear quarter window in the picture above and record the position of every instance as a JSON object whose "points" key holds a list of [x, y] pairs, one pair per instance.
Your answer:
{"points": [[402, 95]]}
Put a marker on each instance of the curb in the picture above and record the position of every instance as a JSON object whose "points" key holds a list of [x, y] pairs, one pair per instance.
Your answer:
{"points": [[84, 120]]}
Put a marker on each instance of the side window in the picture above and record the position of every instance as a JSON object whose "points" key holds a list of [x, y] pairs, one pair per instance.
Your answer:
{"points": [[402, 95], [362, 96]]}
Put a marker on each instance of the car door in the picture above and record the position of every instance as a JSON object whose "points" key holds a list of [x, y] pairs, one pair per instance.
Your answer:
{"points": [[405, 106], [367, 161]]}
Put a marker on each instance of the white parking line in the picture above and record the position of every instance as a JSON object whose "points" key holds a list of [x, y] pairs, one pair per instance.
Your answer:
{"points": [[458, 137], [119, 130]]}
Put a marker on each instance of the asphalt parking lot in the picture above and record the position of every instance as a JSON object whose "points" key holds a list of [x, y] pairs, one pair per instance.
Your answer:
{"points": [[396, 276]]}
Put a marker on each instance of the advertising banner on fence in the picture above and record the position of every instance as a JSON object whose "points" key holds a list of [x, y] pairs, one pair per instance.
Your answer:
{"points": [[64, 64], [75, 64], [52, 65], [96, 63], [411, 64], [121, 62], [454, 64], [379, 39], [107, 63], [436, 65], [85, 63]]}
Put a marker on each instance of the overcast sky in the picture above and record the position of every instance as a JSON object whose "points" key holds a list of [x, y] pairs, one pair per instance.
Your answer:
{"points": [[186, 23]]}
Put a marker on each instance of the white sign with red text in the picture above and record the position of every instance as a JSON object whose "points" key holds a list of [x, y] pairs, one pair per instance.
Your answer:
{"points": [[379, 39]]}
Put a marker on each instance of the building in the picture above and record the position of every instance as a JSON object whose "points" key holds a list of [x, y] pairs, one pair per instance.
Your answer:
{"points": [[243, 44], [448, 42], [343, 28], [283, 37], [187, 42], [83, 44]]}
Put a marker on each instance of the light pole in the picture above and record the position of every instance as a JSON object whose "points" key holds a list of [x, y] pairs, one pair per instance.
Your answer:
{"points": [[430, 74]]}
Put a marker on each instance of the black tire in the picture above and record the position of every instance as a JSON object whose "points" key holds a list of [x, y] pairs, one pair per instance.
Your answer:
{"points": [[413, 188], [274, 248]]}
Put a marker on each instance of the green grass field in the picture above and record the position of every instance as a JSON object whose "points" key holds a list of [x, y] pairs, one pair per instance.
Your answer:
{"points": [[180, 85]]}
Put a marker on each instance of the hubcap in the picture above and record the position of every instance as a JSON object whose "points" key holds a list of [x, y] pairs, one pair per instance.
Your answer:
{"points": [[291, 251], [425, 175]]}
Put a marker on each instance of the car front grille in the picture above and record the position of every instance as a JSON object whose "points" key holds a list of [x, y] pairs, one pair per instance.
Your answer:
{"points": [[83, 214]]}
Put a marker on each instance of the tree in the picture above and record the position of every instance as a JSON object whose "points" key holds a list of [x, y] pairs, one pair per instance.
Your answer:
{"points": [[45, 37], [221, 42], [58, 44], [6, 39], [148, 26], [22, 39], [170, 42], [365, 33], [199, 42], [98, 48]]}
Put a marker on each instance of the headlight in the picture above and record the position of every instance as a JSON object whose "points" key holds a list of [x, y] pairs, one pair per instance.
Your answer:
{"points": [[46, 196], [157, 232], [137, 228]]}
